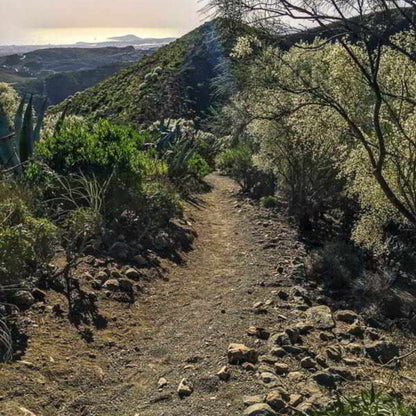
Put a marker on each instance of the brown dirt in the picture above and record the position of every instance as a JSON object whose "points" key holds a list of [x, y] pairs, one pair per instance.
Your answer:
{"points": [[180, 329]]}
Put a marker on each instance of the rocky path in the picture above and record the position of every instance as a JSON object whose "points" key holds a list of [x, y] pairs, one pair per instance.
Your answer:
{"points": [[243, 283], [188, 322]]}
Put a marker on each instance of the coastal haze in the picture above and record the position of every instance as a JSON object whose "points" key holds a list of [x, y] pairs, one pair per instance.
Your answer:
{"points": [[42, 22]]}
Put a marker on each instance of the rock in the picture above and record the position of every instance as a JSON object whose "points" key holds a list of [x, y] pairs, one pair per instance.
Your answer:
{"points": [[373, 334], [382, 351], [260, 409], [250, 400], [239, 353], [283, 295], [249, 367], [112, 284], [351, 362], [281, 368], [162, 383], [356, 349], [280, 338], [261, 333], [334, 353], [224, 374], [346, 316], [102, 276], [125, 285], [132, 274], [293, 335], [38, 295], [296, 377], [291, 349], [324, 379], [267, 377], [23, 299], [278, 352], [120, 251], [321, 361], [275, 400], [326, 336], [308, 363], [303, 327], [185, 388], [356, 330], [268, 358], [116, 274], [295, 400], [140, 260], [342, 372], [320, 317], [162, 241]]}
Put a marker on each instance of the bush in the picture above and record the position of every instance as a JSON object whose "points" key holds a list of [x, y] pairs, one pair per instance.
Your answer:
{"points": [[369, 403], [26, 242], [338, 264], [100, 148], [237, 163], [269, 201]]}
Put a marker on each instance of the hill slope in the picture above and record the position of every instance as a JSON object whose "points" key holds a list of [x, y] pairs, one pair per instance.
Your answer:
{"points": [[175, 81], [60, 72]]}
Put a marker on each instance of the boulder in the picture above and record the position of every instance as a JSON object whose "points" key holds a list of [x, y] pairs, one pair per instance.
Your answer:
{"points": [[281, 368], [140, 260], [261, 333], [267, 377], [275, 400], [281, 338], [120, 251], [320, 317], [112, 284], [224, 374], [346, 316], [308, 363], [334, 353], [132, 274], [382, 351], [185, 388], [239, 353], [125, 285], [260, 409], [324, 378]]}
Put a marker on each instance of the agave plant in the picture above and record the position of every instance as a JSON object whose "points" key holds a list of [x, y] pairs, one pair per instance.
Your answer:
{"points": [[16, 147]]}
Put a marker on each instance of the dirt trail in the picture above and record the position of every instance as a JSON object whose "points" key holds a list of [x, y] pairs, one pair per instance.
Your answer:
{"points": [[182, 328], [189, 321]]}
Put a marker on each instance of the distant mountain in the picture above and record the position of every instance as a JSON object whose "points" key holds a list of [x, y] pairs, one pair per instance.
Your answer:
{"points": [[119, 42]]}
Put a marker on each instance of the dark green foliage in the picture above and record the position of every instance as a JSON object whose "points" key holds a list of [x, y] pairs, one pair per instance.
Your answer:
{"points": [[27, 135], [99, 148], [338, 264], [269, 201], [369, 403]]}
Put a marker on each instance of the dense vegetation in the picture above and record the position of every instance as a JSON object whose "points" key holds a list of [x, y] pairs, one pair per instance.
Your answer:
{"points": [[82, 184]]}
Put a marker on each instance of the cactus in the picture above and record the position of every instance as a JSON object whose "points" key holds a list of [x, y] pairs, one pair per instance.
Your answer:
{"points": [[27, 134], [17, 147]]}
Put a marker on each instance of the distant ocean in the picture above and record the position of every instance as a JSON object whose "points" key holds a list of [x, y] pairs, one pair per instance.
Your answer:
{"points": [[62, 36]]}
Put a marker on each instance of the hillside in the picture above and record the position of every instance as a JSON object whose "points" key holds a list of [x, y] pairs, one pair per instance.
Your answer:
{"points": [[181, 86], [57, 73]]}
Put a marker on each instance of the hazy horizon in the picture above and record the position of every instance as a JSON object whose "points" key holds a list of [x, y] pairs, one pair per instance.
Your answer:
{"points": [[40, 22]]}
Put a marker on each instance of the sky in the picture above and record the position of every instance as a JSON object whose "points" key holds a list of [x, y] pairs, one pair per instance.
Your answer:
{"points": [[55, 21]]}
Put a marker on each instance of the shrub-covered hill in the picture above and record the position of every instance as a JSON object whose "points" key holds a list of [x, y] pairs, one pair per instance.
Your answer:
{"points": [[175, 81]]}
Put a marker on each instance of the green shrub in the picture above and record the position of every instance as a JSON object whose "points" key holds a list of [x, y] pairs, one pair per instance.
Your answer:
{"points": [[237, 163], [269, 201], [338, 264], [369, 403], [26, 242], [100, 148]]}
